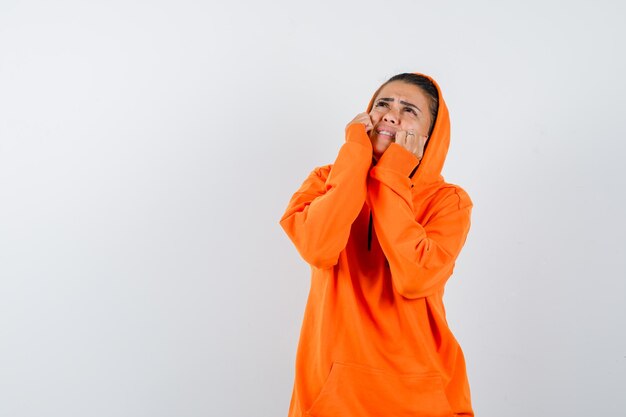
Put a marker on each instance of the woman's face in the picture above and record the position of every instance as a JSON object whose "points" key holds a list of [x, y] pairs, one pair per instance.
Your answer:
{"points": [[398, 107]]}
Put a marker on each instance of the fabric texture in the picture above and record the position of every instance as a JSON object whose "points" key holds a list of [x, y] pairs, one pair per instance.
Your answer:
{"points": [[382, 241]]}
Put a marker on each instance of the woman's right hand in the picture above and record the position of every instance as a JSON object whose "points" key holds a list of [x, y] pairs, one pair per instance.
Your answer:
{"points": [[362, 118]]}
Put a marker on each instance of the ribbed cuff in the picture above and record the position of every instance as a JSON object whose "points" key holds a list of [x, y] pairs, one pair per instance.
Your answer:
{"points": [[356, 133], [397, 159]]}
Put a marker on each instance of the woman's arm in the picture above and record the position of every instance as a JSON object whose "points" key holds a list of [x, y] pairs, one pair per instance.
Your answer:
{"points": [[320, 214], [421, 256]]}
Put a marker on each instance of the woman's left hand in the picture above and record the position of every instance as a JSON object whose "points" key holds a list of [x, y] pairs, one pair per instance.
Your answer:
{"points": [[412, 142]]}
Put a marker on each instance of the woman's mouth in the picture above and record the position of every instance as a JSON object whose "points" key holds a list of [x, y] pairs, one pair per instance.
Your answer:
{"points": [[387, 133]]}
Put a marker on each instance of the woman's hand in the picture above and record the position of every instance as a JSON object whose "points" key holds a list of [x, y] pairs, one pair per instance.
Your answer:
{"points": [[411, 142], [363, 118]]}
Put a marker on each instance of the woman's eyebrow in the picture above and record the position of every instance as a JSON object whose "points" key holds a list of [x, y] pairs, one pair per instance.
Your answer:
{"points": [[406, 103]]}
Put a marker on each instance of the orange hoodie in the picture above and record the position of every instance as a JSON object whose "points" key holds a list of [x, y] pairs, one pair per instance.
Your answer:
{"points": [[382, 241]]}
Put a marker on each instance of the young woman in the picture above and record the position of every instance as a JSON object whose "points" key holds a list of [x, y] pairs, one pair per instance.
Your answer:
{"points": [[381, 231]]}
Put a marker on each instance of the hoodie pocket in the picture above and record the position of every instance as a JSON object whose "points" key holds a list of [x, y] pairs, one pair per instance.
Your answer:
{"points": [[353, 390]]}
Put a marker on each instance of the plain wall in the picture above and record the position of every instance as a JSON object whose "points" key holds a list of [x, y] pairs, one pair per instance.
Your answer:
{"points": [[148, 150]]}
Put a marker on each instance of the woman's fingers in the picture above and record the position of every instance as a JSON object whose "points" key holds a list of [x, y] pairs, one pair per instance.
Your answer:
{"points": [[401, 138], [363, 118], [411, 142], [419, 151], [367, 121]]}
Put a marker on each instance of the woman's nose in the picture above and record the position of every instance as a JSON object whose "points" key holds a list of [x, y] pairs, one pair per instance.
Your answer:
{"points": [[391, 117]]}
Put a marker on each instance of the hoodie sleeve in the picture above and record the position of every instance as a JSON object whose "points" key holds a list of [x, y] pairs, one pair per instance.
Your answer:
{"points": [[320, 214], [421, 256]]}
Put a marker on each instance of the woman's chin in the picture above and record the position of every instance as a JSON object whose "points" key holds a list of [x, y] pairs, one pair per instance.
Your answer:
{"points": [[380, 145], [378, 151]]}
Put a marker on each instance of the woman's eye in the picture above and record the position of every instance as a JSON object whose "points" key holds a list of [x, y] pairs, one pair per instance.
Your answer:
{"points": [[410, 110], [381, 104]]}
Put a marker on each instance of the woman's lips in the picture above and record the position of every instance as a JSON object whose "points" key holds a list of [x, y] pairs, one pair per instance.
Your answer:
{"points": [[387, 133]]}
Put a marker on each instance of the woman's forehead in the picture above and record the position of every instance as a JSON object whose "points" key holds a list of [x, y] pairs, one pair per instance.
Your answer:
{"points": [[402, 89]]}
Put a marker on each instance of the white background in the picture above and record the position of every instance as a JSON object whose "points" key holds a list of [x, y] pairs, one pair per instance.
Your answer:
{"points": [[148, 150]]}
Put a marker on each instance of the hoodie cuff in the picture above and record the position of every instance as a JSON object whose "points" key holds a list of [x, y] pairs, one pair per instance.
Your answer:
{"points": [[399, 160], [356, 133]]}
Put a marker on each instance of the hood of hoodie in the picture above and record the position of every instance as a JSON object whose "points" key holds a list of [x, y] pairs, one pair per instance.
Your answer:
{"points": [[429, 171]]}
